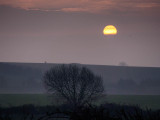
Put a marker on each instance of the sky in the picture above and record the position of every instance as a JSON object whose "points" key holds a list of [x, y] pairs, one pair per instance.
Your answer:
{"points": [[71, 31]]}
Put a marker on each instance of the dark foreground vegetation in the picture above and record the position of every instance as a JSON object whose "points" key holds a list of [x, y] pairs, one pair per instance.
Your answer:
{"points": [[65, 112]]}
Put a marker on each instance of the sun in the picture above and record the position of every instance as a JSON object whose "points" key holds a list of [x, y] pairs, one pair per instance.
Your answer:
{"points": [[110, 30]]}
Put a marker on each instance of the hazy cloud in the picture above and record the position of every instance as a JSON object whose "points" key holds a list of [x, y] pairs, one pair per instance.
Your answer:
{"points": [[92, 6]]}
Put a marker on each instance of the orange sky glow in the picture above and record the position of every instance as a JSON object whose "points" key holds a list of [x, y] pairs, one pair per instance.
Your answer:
{"points": [[70, 31]]}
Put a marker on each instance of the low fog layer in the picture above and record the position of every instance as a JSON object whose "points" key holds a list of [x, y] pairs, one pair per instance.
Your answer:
{"points": [[27, 78]]}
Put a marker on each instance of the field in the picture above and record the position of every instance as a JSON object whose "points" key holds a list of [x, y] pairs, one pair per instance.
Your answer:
{"points": [[144, 101]]}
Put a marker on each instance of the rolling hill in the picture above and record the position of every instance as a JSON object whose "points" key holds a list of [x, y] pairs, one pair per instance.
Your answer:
{"points": [[27, 78]]}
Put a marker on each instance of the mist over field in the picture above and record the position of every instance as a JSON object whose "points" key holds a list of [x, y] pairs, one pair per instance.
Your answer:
{"points": [[27, 78], [116, 41]]}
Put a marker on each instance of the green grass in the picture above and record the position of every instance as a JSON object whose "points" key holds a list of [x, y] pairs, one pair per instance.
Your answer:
{"points": [[144, 101], [150, 101], [7, 100]]}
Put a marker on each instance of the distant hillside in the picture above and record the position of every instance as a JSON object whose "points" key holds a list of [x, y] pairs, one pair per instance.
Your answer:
{"points": [[27, 78]]}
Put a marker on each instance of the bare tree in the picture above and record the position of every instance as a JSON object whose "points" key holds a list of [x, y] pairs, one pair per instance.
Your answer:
{"points": [[77, 84]]}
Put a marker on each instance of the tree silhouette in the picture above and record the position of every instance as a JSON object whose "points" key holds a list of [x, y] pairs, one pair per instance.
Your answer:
{"points": [[77, 84]]}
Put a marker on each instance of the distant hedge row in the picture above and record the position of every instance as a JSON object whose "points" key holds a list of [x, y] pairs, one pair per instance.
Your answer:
{"points": [[90, 112]]}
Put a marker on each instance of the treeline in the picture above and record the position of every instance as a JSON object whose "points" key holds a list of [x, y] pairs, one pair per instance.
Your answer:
{"points": [[106, 111], [130, 86]]}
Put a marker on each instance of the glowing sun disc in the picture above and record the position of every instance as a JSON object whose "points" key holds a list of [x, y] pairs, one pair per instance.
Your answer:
{"points": [[110, 30]]}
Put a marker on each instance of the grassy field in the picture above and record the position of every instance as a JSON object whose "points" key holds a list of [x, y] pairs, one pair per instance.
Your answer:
{"points": [[9, 100]]}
